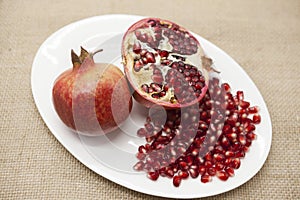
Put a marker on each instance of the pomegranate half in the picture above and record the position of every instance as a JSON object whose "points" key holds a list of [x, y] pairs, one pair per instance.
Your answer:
{"points": [[164, 64]]}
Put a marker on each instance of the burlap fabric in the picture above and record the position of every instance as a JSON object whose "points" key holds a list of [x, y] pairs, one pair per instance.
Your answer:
{"points": [[263, 36]]}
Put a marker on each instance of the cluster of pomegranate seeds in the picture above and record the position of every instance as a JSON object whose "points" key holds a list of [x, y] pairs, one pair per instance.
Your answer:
{"points": [[200, 141], [165, 60]]}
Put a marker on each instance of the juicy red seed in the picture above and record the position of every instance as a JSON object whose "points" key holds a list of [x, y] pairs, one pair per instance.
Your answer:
{"points": [[219, 166], [244, 104], [145, 88], [226, 87], [251, 136], [140, 156], [229, 153], [142, 149], [229, 170], [202, 170], [183, 174], [256, 118], [137, 48], [250, 128], [194, 173], [163, 54], [242, 139], [176, 181], [235, 163], [222, 175], [153, 175], [205, 178], [139, 166], [212, 171], [208, 164], [253, 110], [142, 132], [240, 95], [150, 57]]}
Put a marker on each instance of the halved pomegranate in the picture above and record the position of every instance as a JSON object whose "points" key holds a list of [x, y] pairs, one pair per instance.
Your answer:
{"points": [[164, 64]]}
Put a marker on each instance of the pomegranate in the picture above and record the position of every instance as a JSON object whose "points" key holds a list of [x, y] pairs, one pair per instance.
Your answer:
{"points": [[225, 131], [164, 64], [91, 98]]}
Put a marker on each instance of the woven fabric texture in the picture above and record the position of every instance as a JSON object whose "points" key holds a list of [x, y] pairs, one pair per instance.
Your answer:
{"points": [[262, 36]]}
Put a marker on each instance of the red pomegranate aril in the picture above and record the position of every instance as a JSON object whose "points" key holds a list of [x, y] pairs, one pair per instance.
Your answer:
{"points": [[205, 178], [242, 139], [244, 104], [219, 166], [251, 136], [240, 95], [139, 166], [240, 154], [226, 87], [153, 175], [212, 171], [140, 156], [229, 170], [137, 48], [202, 169], [222, 175], [176, 181], [253, 110], [235, 163], [183, 174], [229, 153], [249, 128], [256, 118]]}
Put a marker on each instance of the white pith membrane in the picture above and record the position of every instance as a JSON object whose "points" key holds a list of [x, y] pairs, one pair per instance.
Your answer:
{"points": [[143, 76]]}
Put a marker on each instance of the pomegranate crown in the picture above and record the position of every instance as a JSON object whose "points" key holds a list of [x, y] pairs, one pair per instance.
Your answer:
{"points": [[78, 60]]}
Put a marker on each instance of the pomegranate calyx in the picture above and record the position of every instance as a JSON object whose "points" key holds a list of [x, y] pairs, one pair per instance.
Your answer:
{"points": [[75, 59], [207, 64], [84, 54]]}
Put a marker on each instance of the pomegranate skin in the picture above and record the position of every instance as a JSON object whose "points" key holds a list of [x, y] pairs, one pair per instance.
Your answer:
{"points": [[92, 99], [145, 36]]}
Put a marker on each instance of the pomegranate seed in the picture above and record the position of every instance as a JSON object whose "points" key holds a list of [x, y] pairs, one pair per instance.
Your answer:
{"points": [[242, 139], [163, 54], [142, 149], [219, 166], [244, 104], [139, 166], [253, 110], [229, 153], [194, 173], [176, 181], [251, 136], [240, 95], [235, 163], [212, 171], [229, 170], [256, 118], [205, 178], [183, 174], [222, 175], [202, 170], [137, 48], [226, 87], [153, 175]]}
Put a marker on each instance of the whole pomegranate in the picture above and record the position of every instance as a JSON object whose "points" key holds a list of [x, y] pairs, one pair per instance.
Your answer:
{"points": [[91, 98], [164, 64]]}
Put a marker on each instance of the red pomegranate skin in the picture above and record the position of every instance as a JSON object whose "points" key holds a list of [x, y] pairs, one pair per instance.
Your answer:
{"points": [[92, 98]]}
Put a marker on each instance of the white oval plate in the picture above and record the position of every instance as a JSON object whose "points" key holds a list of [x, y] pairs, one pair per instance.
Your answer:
{"points": [[113, 157]]}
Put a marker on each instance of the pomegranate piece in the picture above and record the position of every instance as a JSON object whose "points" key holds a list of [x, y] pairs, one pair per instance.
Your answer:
{"points": [[164, 64], [91, 98]]}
